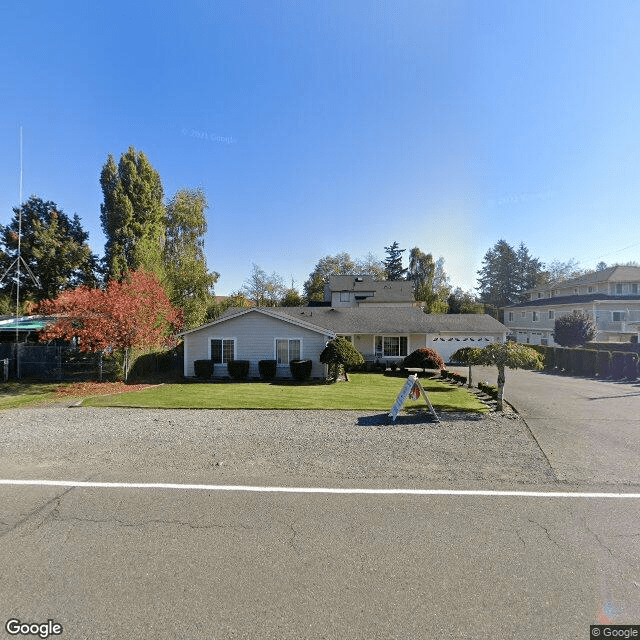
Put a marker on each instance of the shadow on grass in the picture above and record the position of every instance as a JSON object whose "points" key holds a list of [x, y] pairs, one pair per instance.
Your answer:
{"points": [[26, 388]]}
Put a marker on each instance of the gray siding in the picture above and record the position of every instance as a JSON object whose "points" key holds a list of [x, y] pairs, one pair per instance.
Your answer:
{"points": [[255, 336]]}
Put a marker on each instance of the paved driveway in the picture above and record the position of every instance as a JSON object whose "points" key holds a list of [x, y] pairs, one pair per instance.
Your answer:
{"points": [[588, 429]]}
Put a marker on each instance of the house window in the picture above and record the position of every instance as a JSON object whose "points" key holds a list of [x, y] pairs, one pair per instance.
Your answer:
{"points": [[551, 315], [288, 350], [223, 350], [535, 316], [510, 316], [390, 346], [634, 288], [523, 314], [539, 295], [618, 316], [344, 296], [619, 288], [590, 289]]}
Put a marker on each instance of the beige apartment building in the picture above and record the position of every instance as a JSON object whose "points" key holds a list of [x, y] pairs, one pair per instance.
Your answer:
{"points": [[611, 297]]}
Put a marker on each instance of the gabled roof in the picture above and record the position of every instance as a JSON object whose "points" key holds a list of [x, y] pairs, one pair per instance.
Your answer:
{"points": [[577, 299], [389, 320], [235, 312], [611, 274], [382, 290]]}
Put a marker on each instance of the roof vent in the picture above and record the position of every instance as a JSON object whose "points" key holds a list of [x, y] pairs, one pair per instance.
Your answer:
{"points": [[359, 279]]}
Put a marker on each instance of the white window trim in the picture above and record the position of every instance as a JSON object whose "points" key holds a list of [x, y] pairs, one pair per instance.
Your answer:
{"points": [[342, 296], [275, 348], [535, 316], [389, 335], [510, 316], [623, 316], [235, 346], [551, 315]]}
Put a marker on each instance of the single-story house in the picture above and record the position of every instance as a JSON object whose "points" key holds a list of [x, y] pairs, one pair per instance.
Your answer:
{"points": [[384, 334]]}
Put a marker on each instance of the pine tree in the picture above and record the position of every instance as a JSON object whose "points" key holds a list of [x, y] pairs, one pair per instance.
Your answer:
{"points": [[189, 282], [498, 281], [133, 215], [53, 246], [393, 262]]}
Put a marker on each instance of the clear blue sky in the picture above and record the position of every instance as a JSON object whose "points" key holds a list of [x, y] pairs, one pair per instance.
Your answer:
{"points": [[334, 125]]}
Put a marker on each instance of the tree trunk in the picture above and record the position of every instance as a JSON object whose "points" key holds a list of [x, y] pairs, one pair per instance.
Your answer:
{"points": [[470, 383], [500, 388]]}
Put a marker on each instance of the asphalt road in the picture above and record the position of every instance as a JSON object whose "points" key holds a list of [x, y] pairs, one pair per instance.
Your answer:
{"points": [[148, 562]]}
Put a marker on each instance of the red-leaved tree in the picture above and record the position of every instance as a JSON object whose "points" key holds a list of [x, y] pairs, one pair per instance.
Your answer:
{"points": [[133, 314]]}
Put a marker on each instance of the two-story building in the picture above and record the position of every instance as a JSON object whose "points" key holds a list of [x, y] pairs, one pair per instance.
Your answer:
{"points": [[611, 297], [363, 290]]}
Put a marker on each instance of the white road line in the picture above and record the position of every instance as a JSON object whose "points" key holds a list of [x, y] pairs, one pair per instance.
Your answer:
{"points": [[337, 490]]}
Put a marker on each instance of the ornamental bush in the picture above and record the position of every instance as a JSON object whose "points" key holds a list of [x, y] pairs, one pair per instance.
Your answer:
{"points": [[268, 369], [574, 329], [424, 358], [203, 368], [301, 369], [238, 369], [340, 353]]}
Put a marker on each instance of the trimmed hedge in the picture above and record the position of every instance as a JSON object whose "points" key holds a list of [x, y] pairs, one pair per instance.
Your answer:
{"points": [[489, 389], [589, 358], [603, 364], [631, 366], [203, 368], [617, 364], [268, 369], [238, 369], [301, 369]]}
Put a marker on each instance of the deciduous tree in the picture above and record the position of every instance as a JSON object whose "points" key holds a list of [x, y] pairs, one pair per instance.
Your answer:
{"points": [[262, 289], [134, 313], [339, 264], [190, 284], [506, 355]]}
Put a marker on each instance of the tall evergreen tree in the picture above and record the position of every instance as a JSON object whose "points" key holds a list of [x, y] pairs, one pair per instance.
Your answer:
{"points": [[498, 281], [393, 262], [189, 282], [53, 245], [133, 215], [530, 271]]}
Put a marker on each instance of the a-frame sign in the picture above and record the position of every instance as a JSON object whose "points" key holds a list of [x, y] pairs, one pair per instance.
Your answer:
{"points": [[412, 387]]}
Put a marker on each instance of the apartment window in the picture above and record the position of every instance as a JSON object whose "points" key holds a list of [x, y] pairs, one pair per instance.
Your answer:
{"points": [[552, 314], [590, 289], [634, 288], [523, 314], [288, 350], [618, 316], [223, 350], [539, 295], [390, 346], [344, 296], [510, 316], [619, 288], [535, 316]]}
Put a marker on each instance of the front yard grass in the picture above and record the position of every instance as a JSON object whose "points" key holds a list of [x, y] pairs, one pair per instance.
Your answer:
{"points": [[27, 394], [365, 392]]}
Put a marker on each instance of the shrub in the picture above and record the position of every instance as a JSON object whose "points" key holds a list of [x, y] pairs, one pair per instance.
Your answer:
{"points": [[589, 362], [574, 329], [238, 369], [631, 366], [203, 368], [301, 369], [424, 358], [617, 365], [268, 369], [338, 353], [575, 362], [603, 364], [443, 373], [489, 389], [550, 358]]}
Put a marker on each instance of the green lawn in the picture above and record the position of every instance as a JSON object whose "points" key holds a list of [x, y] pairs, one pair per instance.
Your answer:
{"points": [[27, 394], [365, 392]]}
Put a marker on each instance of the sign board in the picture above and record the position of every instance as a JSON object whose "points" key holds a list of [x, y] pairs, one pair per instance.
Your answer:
{"points": [[409, 388]]}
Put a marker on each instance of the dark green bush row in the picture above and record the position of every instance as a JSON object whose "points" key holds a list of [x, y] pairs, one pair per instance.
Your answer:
{"points": [[489, 389], [603, 363], [450, 375], [301, 369], [238, 369], [268, 369], [203, 368]]}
